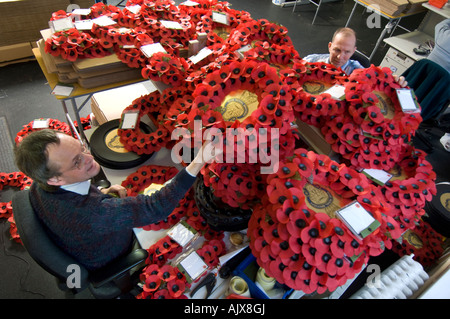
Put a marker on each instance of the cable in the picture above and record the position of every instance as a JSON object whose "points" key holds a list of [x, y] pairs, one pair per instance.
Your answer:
{"points": [[25, 276]]}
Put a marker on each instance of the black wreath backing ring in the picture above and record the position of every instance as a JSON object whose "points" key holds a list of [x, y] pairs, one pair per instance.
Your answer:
{"points": [[219, 215], [438, 209], [109, 158]]}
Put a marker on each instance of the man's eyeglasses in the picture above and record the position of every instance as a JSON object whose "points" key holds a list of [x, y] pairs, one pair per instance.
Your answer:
{"points": [[79, 161]]}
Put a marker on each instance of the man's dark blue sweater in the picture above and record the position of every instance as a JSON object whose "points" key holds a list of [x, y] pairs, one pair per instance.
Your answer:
{"points": [[97, 228]]}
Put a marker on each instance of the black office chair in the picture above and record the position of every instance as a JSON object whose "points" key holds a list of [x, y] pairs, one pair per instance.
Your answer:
{"points": [[111, 281], [430, 82], [361, 58]]}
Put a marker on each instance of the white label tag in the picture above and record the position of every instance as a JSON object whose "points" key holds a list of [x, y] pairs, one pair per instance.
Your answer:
{"points": [[203, 53], [406, 99], [356, 217], [337, 92], [81, 12], [189, 3], [181, 234], [134, 9], [151, 49], [171, 25], [84, 24], [129, 120], [41, 123], [377, 175], [104, 21], [194, 266], [62, 90], [62, 24], [220, 17]]}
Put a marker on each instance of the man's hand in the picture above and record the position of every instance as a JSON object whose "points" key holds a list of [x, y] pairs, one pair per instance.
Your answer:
{"points": [[401, 80], [205, 155], [115, 190]]}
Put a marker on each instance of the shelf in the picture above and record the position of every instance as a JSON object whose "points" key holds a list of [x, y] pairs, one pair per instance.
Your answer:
{"points": [[444, 11]]}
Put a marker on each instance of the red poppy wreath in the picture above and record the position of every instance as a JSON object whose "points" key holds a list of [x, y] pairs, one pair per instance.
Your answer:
{"points": [[20, 181], [294, 234], [412, 185], [249, 99], [135, 140], [53, 124], [165, 281], [312, 103], [423, 242], [374, 105]]}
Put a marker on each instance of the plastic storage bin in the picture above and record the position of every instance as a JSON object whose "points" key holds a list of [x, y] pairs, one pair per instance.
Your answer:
{"points": [[247, 270]]}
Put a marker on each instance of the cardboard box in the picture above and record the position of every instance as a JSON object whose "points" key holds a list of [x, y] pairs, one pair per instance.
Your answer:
{"points": [[108, 105], [21, 21], [314, 138], [391, 7], [16, 52], [416, 6], [88, 73]]}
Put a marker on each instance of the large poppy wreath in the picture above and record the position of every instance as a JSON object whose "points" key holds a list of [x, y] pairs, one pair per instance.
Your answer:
{"points": [[156, 106], [312, 102], [294, 234], [247, 96], [412, 185], [373, 131], [374, 105]]}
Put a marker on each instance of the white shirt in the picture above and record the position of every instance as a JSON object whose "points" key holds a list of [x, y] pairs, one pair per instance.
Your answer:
{"points": [[81, 188]]}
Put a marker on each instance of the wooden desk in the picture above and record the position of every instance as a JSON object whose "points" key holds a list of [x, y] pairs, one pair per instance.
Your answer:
{"points": [[405, 44]]}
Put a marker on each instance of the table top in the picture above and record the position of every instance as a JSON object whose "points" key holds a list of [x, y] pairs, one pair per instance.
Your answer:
{"points": [[444, 11]]}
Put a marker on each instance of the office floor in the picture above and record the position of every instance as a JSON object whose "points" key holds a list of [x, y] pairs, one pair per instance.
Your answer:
{"points": [[25, 96]]}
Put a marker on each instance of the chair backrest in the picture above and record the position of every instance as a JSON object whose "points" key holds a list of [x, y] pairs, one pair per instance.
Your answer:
{"points": [[361, 58], [39, 245], [430, 82]]}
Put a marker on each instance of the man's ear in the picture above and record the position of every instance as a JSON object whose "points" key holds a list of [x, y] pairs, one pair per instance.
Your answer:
{"points": [[55, 181]]}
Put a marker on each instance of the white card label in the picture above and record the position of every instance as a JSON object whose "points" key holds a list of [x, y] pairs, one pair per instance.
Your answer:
{"points": [[355, 217], [81, 12], [129, 120], [377, 175], [134, 9], [62, 24], [151, 49], [84, 24], [220, 17], [337, 92], [194, 265], [41, 123], [406, 99], [189, 3], [203, 53], [171, 24], [104, 21], [62, 90], [181, 234]]}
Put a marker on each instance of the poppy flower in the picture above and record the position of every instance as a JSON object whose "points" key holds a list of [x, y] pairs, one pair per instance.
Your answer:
{"points": [[152, 283]]}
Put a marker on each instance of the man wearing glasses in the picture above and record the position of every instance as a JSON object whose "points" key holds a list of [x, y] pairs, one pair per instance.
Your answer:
{"points": [[86, 223]]}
